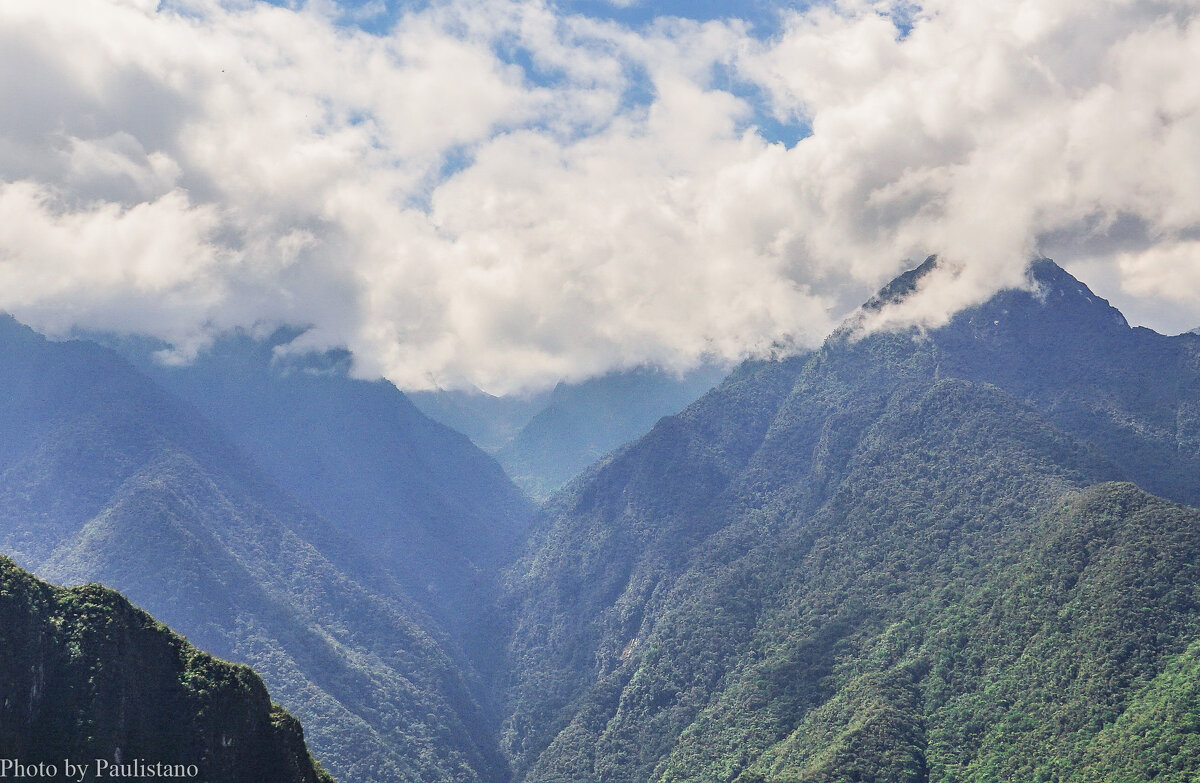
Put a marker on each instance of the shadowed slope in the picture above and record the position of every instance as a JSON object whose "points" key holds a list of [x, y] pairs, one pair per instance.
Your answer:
{"points": [[106, 477], [437, 513]]}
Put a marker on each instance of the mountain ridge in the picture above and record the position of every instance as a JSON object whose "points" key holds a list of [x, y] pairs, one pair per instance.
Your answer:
{"points": [[704, 594], [108, 477]]}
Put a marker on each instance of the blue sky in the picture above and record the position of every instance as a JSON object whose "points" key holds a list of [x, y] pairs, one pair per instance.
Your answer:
{"points": [[763, 21], [764, 17]]}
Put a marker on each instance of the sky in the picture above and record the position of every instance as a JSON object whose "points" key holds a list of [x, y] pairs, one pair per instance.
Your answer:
{"points": [[503, 194]]}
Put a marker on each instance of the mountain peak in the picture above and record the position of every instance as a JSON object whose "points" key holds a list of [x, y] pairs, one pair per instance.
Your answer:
{"points": [[1051, 295], [1045, 269], [1057, 289], [901, 286]]}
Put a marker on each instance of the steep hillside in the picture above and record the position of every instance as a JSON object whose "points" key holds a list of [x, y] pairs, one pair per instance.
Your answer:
{"points": [[896, 559], [1131, 392], [87, 677], [439, 515], [106, 477]]}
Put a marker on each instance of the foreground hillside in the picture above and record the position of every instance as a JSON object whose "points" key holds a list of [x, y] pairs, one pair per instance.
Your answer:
{"points": [[85, 676], [906, 557]]}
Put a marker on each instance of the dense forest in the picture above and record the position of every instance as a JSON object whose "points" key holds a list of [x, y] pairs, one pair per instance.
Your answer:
{"points": [[88, 678], [905, 557]]}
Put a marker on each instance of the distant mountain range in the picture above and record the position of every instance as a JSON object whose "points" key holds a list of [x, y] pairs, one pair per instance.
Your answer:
{"points": [[963, 554], [544, 440]]}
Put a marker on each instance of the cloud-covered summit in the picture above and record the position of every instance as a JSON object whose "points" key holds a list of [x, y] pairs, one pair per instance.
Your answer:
{"points": [[504, 194]]}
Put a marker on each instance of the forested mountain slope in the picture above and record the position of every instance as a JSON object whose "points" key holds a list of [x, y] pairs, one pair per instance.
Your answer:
{"points": [[967, 554], [439, 514], [106, 477], [905, 557], [87, 677]]}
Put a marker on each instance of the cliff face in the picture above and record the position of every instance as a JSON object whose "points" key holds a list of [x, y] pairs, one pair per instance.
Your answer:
{"points": [[87, 677]]}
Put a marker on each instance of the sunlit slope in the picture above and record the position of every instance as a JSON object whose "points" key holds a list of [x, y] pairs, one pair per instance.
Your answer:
{"points": [[900, 558]]}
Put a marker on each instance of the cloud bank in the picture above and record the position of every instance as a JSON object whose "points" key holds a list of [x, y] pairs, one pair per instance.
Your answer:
{"points": [[503, 194]]}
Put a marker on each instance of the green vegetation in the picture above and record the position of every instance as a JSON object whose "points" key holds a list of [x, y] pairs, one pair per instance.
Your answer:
{"points": [[87, 676], [1158, 735], [903, 558]]}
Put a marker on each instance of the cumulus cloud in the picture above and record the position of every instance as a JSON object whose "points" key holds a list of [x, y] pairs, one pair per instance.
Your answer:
{"points": [[502, 194], [985, 130]]}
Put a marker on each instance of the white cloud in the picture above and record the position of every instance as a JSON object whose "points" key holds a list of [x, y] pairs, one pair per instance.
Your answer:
{"points": [[455, 219], [92, 263], [986, 129], [1169, 271]]}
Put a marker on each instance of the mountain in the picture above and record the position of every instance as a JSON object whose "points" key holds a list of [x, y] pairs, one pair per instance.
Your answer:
{"points": [[89, 678], [922, 556], [489, 421], [962, 554], [582, 422], [107, 477], [438, 514]]}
